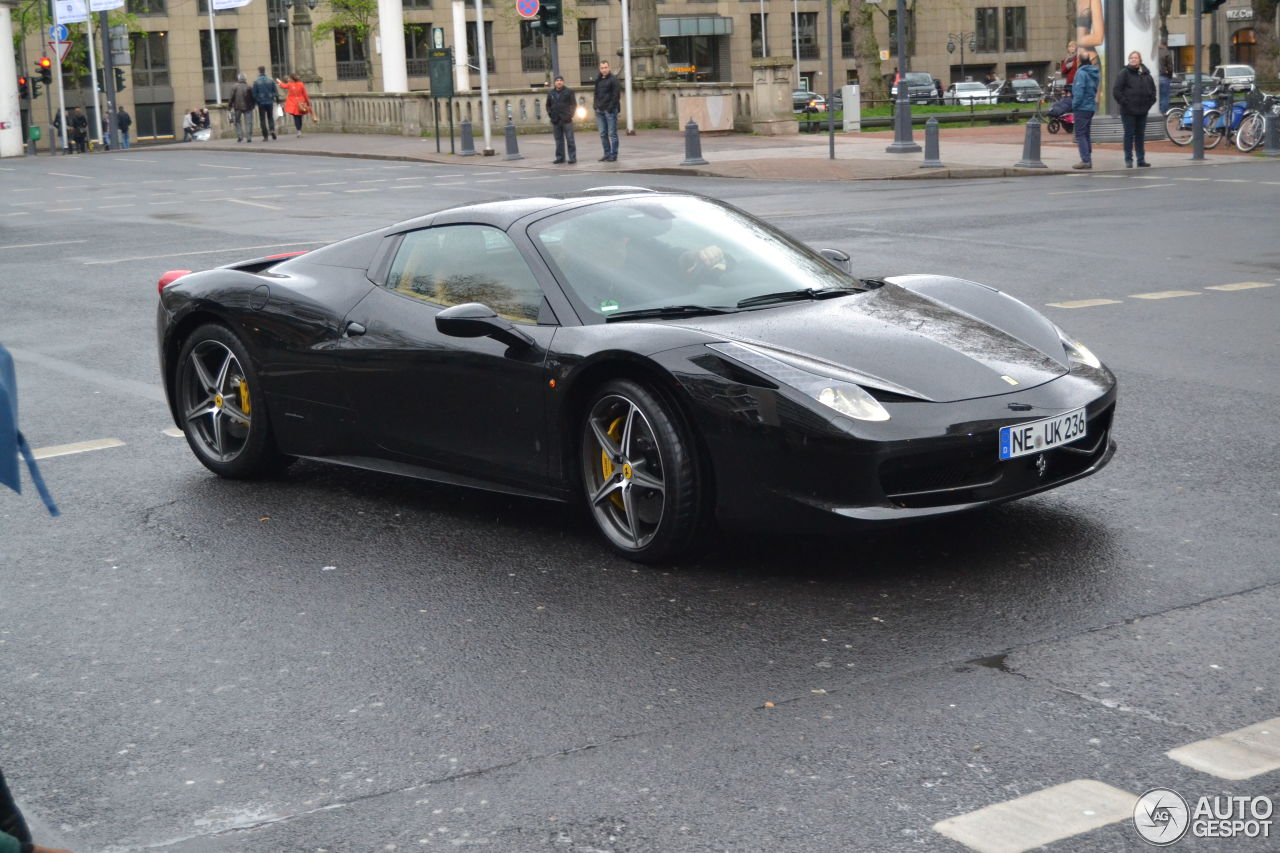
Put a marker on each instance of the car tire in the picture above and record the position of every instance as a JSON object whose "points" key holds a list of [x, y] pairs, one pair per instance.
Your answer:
{"points": [[640, 472], [222, 407]]}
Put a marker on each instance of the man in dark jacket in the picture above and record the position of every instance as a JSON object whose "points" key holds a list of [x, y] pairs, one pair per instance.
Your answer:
{"points": [[1084, 103], [242, 104], [79, 130], [561, 108], [264, 93], [124, 122], [1135, 94], [607, 101]]}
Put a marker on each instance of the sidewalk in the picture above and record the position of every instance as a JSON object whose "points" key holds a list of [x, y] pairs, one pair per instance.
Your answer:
{"points": [[981, 152]]}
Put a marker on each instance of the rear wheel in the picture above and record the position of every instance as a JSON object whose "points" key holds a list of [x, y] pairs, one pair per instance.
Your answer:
{"points": [[1054, 125], [1214, 129], [1249, 134], [222, 407], [1179, 132], [640, 473]]}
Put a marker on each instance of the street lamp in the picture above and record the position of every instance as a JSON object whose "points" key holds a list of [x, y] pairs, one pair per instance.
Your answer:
{"points": [[960, 38]]}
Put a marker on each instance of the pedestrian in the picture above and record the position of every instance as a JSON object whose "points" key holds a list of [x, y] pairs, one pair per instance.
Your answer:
{"points": [[1134, 93], [607, 101], [1084, 103], [937, 85], [264, 94], [1070, 64], [561, 109], [1166, 77], [189, 125], [241, 104], [15, 837], [124, 121], [297, 103], [106, 132], [79, 130], [203, 121]]}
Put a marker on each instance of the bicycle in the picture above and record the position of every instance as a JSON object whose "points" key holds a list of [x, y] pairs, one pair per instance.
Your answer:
{"points": [[1177, 122], [1249, 135]]}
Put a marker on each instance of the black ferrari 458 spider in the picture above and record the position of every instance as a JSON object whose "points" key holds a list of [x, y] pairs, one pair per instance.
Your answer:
{"points": [[665, 358]]}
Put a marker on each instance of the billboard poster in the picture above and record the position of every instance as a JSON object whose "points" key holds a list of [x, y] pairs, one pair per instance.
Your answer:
{"points": [[1114, 28]]}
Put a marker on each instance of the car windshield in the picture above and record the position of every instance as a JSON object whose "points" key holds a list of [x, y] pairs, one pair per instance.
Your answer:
{"points": [[674, 252], [918, 78], [1026, 84]]}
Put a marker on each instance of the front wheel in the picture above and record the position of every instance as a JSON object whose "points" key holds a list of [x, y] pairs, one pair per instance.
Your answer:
{"points": [[640, 473], [1214, 129], [1054, 125], [1177, 128], [223, 407], [1249, 134]]}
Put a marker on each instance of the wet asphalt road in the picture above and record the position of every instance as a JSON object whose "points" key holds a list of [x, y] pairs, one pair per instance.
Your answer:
{"points": [[343, 661]]}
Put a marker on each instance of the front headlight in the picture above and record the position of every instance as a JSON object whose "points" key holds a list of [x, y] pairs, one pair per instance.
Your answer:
{"points": [[1077, 351], [841, 396]]}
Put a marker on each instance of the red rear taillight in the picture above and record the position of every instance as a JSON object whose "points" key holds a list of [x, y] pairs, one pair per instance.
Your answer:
{"points": [[286, 255], [170, 277]]}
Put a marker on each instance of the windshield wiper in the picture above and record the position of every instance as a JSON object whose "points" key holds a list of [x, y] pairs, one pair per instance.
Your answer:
{"points": [[667, 311], [796, 295]]}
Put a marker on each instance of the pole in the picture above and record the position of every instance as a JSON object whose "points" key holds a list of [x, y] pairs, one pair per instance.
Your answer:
{"points": [[795, 33], [93, 86], [555, 58], [108, 79], [62, 97], [483, 61], [48, 96], [1197, 108], [213, 51], [902, 141], [461, 74], [831, 81], [626, 62], [764, 36]]}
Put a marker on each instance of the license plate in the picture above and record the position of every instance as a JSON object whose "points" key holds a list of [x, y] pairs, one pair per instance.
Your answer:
{"points": [[1035, 436]]}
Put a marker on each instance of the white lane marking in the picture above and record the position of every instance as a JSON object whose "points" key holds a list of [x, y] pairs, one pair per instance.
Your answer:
{"points": [[413, 178], [78, 447], [1110, 189], [1040, 818], [216, 166], [24, 203], [330, 183], [1231, 181], [115, 197], [112, 206], [1241, 754], [406, 187], [172, 432], [1083, 303], [62, 209], [171, 201], [375, 180], [458, 175], [1148, 177], [38, 245], [370, 190], [1240, 285], [321, 192], [1193, 179], [290, 186], [1163, 294], [253, 203], [69, 175], [203, 252]]}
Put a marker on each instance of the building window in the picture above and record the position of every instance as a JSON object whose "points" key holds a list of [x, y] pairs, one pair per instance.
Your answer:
{"points": [[146, 8], [908, 28], [473, 53], [804, 35], [987, 26], [150, 58], [534, 50], [588, 58], [1015, 28], [350, 54], [846, 37], [758, 35], [153, 121], [417, 44], [228, 61], [410, 5], [202, 6]]}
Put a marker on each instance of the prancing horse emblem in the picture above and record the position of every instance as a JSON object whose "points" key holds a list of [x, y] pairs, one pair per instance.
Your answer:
{"points": [[1041, 465]]}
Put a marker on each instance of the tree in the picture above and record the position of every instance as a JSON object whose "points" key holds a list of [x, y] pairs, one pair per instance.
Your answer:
{"points": [[356, 20], [1267, 59], [866, 51]]}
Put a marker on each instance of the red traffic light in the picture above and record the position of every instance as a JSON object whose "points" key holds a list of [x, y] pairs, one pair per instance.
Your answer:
{"points": [[22, 81], [45, 62]]}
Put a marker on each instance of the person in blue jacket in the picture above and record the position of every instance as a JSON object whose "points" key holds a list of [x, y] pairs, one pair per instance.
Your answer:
{"points": [[266, 96], [1084, 103]]}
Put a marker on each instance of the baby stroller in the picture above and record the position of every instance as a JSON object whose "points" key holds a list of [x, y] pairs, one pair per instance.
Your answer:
{"points": [[1060, 117]]}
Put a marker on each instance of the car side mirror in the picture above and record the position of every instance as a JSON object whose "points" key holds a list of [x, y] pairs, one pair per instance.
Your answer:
{"points": [[473, 320], [838, 259]]}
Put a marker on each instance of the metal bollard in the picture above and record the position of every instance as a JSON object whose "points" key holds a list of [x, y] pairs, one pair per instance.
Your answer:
{"points": [[692, 146], [513, 148], [1271, 133], [468, 148], [931, 160], [1031, 147]]}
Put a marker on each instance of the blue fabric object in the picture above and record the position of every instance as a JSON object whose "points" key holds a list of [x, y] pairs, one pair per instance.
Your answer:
{"points": [[11, 441], [1084, 89]]}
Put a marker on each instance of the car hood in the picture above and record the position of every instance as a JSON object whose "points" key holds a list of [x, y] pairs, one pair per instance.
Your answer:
{"points": [[932, 337]]}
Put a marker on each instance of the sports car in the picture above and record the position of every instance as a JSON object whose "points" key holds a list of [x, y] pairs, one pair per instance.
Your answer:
{"points": [[666, 359]]}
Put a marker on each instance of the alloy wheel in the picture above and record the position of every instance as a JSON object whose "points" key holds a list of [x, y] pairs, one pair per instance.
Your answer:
{"points": [[216, 408], [623, 471]]}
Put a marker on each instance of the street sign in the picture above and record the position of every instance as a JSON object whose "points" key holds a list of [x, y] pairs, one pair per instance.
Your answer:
{"points": [[440, 67], [528, 8], [60, 48], [437, 38], [59, 32]]}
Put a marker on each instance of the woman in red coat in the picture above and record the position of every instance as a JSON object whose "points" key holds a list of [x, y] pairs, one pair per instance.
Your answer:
{"points": [[297, 103]]}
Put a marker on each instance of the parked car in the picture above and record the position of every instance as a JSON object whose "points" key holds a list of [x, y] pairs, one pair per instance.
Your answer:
{"points": [[801, 98], [1021, 90], [1237, 78], [920, 88], [1181, 83], [968, 93]]}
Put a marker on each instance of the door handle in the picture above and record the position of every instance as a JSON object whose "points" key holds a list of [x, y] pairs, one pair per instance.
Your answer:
{"points": [[354, 329]]}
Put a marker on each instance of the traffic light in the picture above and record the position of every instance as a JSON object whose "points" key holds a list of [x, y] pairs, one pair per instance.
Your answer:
{"points": [[120, 87], [1210, 6], [97, 72], [34, 85], [24, 91], [44, 67], [551, 18]]}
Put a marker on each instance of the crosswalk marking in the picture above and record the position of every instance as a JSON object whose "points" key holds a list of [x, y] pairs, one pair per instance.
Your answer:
{"points": [[1164, 294], [1240, 285], [1241, 754], [1040, 818], [77, 447]]}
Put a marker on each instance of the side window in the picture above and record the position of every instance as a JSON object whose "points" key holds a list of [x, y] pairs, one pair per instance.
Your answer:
{"points": [[454, 264]]}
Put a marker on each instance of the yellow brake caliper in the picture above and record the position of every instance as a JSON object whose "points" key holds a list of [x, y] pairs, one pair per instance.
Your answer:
{"points": [[606, 464], [244, 397]]}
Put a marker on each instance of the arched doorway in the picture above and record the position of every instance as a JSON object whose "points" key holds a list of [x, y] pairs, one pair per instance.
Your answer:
{"points": [[1244, 47]]}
